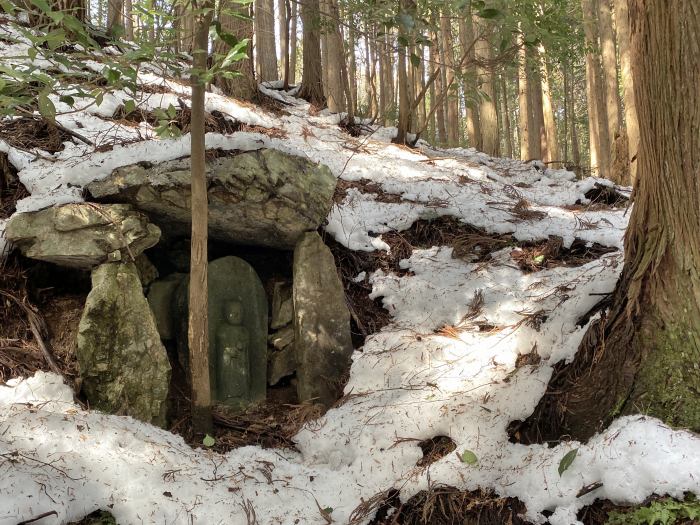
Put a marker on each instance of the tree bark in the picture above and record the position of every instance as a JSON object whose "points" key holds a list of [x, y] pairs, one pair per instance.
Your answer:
{"points": [[631, 124], [115, 18], [311, 75], [553, 153], [607, 46], [283, 28], [597, 111], [538, 134], [507, 130], [198, 332], [488, 116], [334, 55], [243, 86], [525, 111], [643, 355], [293, 43], [451, 106], [471, 89], [436, 105], [266, 53]]}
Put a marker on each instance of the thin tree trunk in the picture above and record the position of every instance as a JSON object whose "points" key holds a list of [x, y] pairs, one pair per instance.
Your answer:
{"points": [[451, 106], [631, 124], [198, 332], [283, 28], [575, 147], [540, 135], [129, 19], [525, 111], [436, 104], [506, 118], [293, 43]]}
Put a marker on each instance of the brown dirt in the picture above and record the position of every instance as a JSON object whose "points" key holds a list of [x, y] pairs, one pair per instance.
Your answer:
{"points": [[435, 448], [24, 316], [533, 257], [445, 505], [33, 132], [11, 189]]}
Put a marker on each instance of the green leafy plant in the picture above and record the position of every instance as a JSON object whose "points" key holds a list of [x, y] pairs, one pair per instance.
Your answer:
{"points": [[468, 457], [665, 512], [167, 127], [208, 441]]}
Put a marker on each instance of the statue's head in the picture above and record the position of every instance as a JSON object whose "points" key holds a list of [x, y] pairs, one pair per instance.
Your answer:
{"points": [[233, 312]]}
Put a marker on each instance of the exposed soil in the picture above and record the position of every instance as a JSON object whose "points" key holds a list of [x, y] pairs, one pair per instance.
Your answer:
{"points": [[11, 189], [32, 317], [533, 257], [435, 448], [445, 505], [33, 132], [606, 196]]}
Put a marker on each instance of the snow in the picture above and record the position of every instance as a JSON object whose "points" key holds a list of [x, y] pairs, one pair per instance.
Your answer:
{"points": [[411, 381]]}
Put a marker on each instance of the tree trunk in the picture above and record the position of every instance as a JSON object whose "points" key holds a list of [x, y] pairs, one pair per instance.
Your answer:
{"points": [[488, 116], [198, 332], [507, 130], [607, 45], [471, 90], [293, 43], [408, 8], [451, 106], [539, 134], [334, 57], [436, 105], [525, 112], [643, 356], [597, 112], [243, 86], [283, 28], [129, 19], [311, 75], [115, 17], [550, 126], [266, 53], [631, 124]]}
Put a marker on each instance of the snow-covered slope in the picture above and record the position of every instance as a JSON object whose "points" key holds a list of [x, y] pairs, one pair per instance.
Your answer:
{"points": [[409, 382]]}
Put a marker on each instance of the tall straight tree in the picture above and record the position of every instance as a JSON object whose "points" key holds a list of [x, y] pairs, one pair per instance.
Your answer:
{"points": [[524, 106], [451, 106], [311, 74], [631, 125], [642, 356], [607, 47], [266, 52], [488, 116], [198, 329], [471, 89], [597, 110], [234, 18]]}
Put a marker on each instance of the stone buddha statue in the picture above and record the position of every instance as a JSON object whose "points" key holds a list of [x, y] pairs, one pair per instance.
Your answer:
{"points": [[232, 358]]}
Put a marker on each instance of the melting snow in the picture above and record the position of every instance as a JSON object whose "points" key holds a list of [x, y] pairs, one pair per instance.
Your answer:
{"points": [[408, 381]]}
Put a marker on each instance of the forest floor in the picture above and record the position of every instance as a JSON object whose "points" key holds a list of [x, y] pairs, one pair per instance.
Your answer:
{"points": [[468, 277]]}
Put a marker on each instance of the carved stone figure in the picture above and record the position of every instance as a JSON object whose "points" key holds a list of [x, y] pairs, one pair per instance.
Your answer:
{"points": [[232, 359], [237, 332]]}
